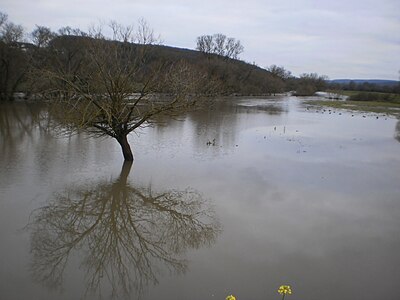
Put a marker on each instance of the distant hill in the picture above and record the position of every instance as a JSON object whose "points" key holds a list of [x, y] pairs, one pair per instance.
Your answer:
{"points": [[379, 82], [233, 76], [226, 76]]}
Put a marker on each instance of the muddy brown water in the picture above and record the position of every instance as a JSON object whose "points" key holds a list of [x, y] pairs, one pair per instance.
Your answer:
{"points": [[238, 198]]}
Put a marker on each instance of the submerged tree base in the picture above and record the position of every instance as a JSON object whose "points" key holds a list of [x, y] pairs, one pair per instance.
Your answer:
{"points": [[126, 148]]}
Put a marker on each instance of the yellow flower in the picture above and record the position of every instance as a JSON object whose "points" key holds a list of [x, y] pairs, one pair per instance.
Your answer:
{"points": [[230, 297], [285, 290]]}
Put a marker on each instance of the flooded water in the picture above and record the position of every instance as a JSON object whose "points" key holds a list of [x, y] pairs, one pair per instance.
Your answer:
{"points": [[238, 198]]}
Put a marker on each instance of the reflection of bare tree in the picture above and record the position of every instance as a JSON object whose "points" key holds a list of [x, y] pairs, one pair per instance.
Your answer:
{"points": [[129, 234], [397, 131]]}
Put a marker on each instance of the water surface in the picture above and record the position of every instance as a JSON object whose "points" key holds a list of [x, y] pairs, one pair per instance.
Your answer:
{"points": [[238, 198]]}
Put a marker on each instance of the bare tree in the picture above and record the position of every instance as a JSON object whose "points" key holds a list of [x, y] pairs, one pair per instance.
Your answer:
{"points": [[124, 231], [122, 33], [3, 18], [116, 91], [205, 44], [11, 33], [309, 83], [96, 31], [219, 44], [41, 36], [13, 59], [67, 30], [145, 34], [233, 48], [279, 71]]}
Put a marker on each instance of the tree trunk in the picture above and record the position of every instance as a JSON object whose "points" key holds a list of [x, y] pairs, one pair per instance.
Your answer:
{"points": [[126, 149], [126, 168]]}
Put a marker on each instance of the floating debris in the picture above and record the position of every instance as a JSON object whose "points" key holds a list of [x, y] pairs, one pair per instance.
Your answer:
{"points": [[209, 143]]}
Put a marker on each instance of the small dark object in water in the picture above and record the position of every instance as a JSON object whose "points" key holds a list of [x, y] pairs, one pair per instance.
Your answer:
{"points": [[209, 143]]}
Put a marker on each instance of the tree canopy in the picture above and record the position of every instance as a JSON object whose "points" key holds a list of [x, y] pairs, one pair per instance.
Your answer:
{"points": [[219, 44]]}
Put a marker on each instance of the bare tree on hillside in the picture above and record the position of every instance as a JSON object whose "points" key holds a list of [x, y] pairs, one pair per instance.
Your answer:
{"points": [[67, 30], [3, 18], [205, 44], [219, 44], [11, 33], [145, 34], [279, 71], [41, 36]]}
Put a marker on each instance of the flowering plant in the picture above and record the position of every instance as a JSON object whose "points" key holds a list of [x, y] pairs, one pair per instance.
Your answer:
{"points": [[285, 290]]}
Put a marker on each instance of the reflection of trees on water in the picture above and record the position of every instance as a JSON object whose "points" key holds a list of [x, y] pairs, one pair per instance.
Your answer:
{"points": [[22, 129], [397, 131], [128, 233], [25, 135], [17, 122], [220, 121]]}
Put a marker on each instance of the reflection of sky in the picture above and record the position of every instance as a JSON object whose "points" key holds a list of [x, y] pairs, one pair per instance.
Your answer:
{"points": [[313, 204]]}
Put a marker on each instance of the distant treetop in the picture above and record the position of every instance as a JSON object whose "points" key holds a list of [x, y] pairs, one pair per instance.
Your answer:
{"points": [[219, 44]]}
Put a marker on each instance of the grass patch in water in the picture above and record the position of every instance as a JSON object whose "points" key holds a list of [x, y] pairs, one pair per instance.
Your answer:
{"points": [[389, 108]]}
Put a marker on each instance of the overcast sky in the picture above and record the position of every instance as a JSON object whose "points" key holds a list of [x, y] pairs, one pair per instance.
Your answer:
{"points": [[337, 38]]}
